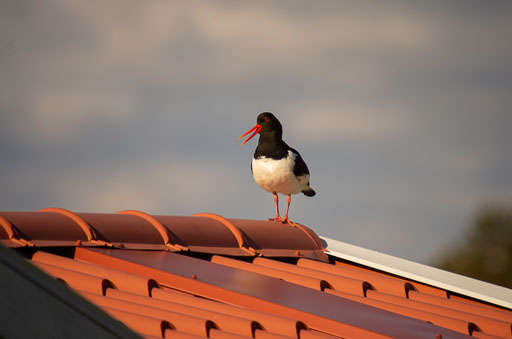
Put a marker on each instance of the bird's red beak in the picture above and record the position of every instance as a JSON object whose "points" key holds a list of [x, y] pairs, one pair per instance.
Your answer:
{"points": [[256, 130]]}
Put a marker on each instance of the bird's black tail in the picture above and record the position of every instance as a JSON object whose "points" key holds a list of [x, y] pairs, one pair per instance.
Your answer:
{"points": [[309, 192]]}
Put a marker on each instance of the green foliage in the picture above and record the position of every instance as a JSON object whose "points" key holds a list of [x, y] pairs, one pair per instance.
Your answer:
{"points": [[486, 253]]}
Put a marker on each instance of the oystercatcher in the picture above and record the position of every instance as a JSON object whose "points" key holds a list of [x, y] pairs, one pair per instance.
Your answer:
{"points": [[276, 167]]}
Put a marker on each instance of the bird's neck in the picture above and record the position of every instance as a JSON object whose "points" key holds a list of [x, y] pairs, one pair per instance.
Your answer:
{"points": [[271, 145], [271, 138]]}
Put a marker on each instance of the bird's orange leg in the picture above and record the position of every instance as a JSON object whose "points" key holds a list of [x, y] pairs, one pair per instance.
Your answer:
{"points": [[276, 201], [285, 219]]}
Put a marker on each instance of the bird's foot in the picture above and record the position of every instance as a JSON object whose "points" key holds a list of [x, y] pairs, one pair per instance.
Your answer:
{"points": [[284, 220], [289, 222]]}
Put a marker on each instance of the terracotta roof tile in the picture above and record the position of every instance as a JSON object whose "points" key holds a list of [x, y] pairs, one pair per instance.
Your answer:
{"points": [[57, 228], [261, 334], [141, 324], [404, 285], [452, 284], [317, 310], [272, 323], [182, 322], [487, 324], [299, 279], [207, 276], [124, 281], [227, 322], [122, 228], [480, 309], [205, 233], [485, 336], [467, 301], [451, 323], [6, 231], [76, 280]]}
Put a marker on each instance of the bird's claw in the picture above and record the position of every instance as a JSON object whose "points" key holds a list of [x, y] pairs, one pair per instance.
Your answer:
{"points": [[284, 220], [289, 222]]}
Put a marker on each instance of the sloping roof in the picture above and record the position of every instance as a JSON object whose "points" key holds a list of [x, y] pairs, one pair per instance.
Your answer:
{"points": [[451, 282], [208, 276]]}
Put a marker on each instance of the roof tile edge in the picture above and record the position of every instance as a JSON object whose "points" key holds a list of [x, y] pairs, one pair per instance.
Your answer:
{"points": [[422, 273]]}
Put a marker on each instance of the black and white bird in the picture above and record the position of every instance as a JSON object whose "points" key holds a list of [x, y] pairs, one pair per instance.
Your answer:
{"points": [[276, 167]]}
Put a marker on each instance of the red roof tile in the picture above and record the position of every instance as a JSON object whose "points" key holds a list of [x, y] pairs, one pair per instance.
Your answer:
{"points": [[206, 233], [121, 280], [380, 281], [272, 323], [207, 276], [142, 324]]}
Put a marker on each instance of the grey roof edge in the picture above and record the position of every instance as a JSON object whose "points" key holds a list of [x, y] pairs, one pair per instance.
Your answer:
{"points": [[422, 273]]}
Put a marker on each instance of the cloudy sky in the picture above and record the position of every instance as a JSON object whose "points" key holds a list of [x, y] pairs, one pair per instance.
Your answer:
{"points": [[401, 109]]}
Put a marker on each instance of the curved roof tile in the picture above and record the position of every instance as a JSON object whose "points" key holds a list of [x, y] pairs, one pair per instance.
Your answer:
{"points": [[207, 276]]}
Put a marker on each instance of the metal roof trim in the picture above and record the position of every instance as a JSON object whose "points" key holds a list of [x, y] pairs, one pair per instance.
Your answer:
{"points": [[422, 273]]}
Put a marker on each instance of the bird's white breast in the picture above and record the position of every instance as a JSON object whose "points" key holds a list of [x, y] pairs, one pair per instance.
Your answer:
{"points": [[277, 175]]}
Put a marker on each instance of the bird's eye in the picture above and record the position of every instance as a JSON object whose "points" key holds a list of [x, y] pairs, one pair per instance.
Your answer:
{"points": [[266, 119]]}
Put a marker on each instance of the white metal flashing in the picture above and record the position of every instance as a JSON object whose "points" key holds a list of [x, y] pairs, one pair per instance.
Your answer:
{"points": [[422, 273]]}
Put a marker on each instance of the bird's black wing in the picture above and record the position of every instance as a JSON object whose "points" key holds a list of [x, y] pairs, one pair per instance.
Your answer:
{"points": [[300, 166]]}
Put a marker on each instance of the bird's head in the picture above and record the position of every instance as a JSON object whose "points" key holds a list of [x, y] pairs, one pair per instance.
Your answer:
{"points": [[266, 122]]}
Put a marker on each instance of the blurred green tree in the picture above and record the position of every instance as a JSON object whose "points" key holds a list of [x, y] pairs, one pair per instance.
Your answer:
{"points": [[486, 251]]}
